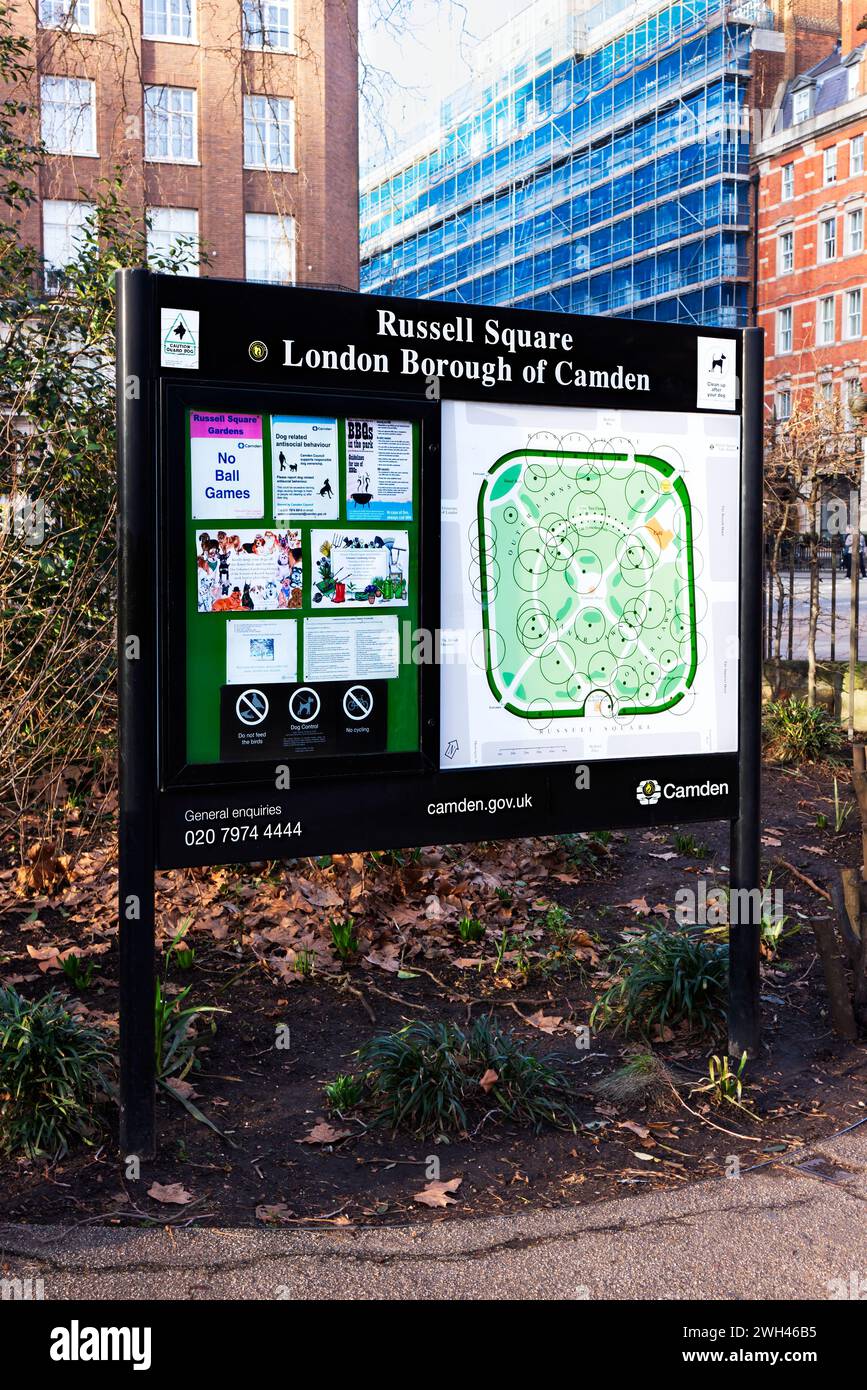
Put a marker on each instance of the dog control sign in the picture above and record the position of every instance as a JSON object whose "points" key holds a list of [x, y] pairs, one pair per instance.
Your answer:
{"points": [[409, 572]]}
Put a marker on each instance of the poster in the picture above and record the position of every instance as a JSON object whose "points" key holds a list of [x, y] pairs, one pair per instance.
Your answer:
{"points": [[360, 569], [248, 571], [365, 648], [379, 470], [590, 584], [227, 462], [305, 467], [262, 650]]}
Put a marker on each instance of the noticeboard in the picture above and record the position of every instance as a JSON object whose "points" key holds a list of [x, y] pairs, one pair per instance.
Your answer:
{"points": [[423, 572]]}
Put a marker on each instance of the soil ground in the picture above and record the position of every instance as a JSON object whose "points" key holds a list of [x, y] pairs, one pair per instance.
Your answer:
{"points": [[252, 928]]}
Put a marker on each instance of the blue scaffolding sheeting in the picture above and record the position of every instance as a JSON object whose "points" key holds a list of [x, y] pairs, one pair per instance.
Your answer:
{"points": [[610, 183]]}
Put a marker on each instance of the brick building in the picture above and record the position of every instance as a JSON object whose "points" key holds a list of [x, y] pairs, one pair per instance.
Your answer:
{"points": [[810, 251], [233, 122]]}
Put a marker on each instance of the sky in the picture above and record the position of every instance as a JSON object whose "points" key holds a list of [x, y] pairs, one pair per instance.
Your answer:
{"points": [[415, 52]]}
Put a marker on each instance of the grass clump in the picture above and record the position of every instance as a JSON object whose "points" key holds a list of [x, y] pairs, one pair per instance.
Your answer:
{"points": [[469, 929], [643, 1080], [429, 1077], [344, 937], [665, 979], [54, 1072], [345, 1092], [795, 732]]}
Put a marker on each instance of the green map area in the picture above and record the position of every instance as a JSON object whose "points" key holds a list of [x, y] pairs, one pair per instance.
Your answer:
{"points": [[586, 582]]}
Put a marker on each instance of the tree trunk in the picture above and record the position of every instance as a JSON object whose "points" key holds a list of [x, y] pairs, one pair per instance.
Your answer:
{"points": [[839, 998]]}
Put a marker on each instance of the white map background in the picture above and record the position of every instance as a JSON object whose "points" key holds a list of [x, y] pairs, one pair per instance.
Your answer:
{"points": [[475, 730]]}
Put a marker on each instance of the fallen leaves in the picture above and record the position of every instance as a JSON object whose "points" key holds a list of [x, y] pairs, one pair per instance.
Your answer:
{"points": [[324, 1133], [489, 1080], [546, 1023], [438, 1194], [171, 1194], [639, 906]]}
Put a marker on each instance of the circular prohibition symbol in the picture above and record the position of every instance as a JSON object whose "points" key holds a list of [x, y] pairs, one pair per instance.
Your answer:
{"points": [[357, 702], [251, 707], [304, 704]]}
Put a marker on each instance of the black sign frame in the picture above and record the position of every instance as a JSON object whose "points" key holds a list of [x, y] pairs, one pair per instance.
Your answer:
{"points": [[249, 345]]}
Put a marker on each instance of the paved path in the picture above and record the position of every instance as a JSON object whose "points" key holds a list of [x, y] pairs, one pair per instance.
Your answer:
{"points": [[783, 1232]]}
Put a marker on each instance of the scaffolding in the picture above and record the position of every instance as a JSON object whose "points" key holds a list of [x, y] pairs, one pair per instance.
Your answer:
{"points": [[597, 163]]}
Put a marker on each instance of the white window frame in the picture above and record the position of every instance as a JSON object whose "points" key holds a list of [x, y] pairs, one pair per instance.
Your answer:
{"points": [[787, 183], [802, 105], [785, 335], [786, 252], [854, 231], [262, 117], [163, 238], [51, 206], [783, 411], [853, 314], [261, 8], [88, 152], [856, 155], [69, 22], [826, 327], [824, 258], [193, 113], [170, 5], [852, 81], [829, 165], [256, 224]]}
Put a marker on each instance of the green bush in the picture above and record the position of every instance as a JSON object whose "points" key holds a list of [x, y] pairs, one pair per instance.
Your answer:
{"points": [[795, 732], [665, 978], [54, 1071], [426, 1077]]}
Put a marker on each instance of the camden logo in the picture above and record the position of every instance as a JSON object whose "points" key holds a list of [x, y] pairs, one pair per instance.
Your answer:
{"points": [[179, 338], [648, 792]]}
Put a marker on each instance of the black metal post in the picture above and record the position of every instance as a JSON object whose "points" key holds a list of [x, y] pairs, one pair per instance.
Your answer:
{"points": [[136, 637], [744, 936]]}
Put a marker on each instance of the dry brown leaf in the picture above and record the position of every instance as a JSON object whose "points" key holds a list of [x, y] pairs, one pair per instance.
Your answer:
{"points": [[272, 1214], [324, 1133], [172, 1193], [436, 1194], [641, 1131], [546, 1023], [489, 1080], [639, 906], [181, 1088]]}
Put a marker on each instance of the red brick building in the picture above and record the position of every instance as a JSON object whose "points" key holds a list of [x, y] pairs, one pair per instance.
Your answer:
{"points": [[233, 122], [810, 252]]}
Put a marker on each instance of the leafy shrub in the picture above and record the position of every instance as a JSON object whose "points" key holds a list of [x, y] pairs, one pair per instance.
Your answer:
{"points": [[54, 1070], [795, 732], [666, 978], [425, 1077]]}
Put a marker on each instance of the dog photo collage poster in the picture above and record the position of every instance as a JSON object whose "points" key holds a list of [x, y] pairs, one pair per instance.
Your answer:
{"points": [[245, 570]]}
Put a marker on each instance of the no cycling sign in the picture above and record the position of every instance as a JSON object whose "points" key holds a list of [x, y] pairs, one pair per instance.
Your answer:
{"points": [[400, 572]]}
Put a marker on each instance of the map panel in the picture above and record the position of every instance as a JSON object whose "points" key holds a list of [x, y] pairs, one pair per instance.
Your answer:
{"points": [[589, 603], [587, 583]]}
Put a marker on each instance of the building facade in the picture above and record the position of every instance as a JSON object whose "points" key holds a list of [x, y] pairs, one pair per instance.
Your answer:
{"points": [[598, 164], [811, 258], [232, 125]]}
